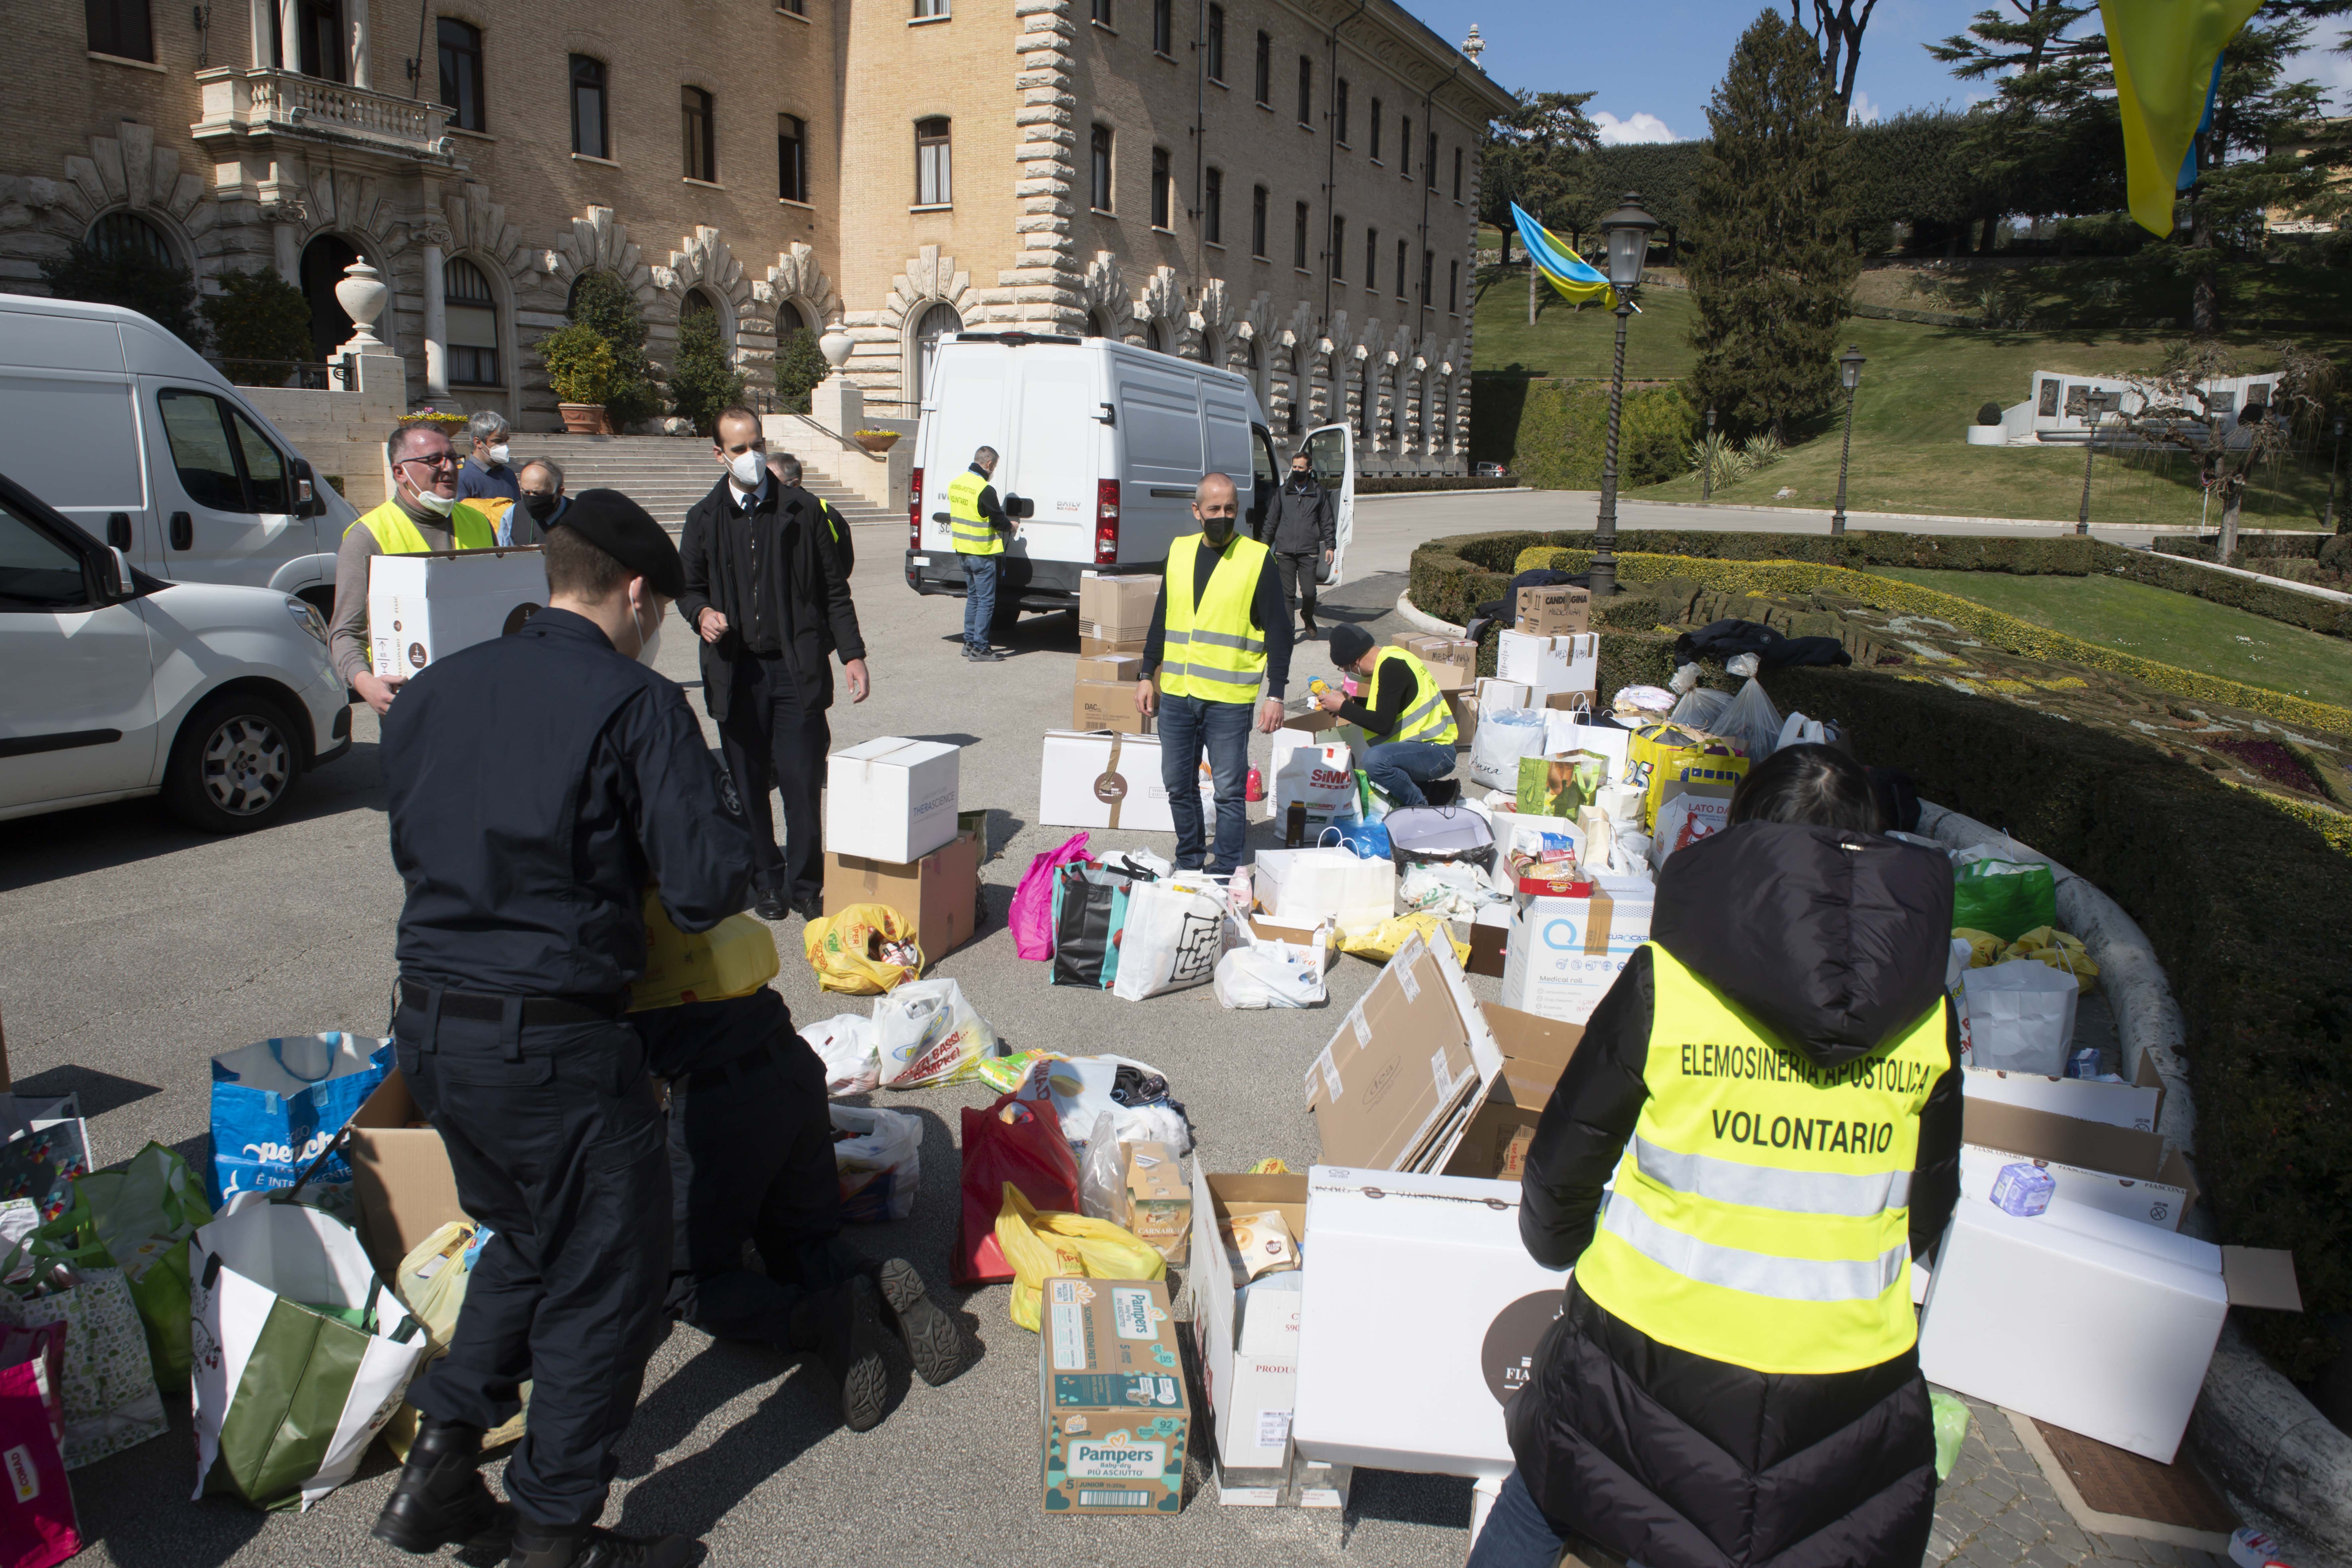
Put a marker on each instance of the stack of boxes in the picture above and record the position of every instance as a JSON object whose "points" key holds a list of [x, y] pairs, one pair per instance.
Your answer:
{"points": [[1551, 649], [1454, 664], [1114, 619], [893, 836]]}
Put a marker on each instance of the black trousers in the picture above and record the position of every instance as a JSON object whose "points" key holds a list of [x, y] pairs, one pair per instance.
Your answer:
{"points": [[1299, 580], [775, 738], [555, 1136]]}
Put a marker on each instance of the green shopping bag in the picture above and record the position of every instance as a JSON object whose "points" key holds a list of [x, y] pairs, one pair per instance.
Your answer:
{"points": [[2006, 898], [139, 1215]]}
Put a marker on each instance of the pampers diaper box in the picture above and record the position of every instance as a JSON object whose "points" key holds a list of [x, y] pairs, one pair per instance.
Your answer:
{"points": [[1111, 1385]]}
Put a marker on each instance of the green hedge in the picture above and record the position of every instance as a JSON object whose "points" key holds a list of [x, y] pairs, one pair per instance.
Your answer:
{"points": [[2165, 570], [1400, 484], [1563, 429], [2250, 546], [2247, 905]]}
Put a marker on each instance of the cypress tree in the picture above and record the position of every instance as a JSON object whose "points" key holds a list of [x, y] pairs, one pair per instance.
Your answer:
{"points": [[1773, 269]]}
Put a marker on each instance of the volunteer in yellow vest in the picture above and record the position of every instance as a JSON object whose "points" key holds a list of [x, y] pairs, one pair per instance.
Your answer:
{"points": [[1773, 1082], [423, 514], [1408, 727], [978, 522], [1221, 626]]}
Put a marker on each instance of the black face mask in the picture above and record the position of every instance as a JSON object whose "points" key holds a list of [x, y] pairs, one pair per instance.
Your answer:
{"points": [[541, 507], [1217, 529]]}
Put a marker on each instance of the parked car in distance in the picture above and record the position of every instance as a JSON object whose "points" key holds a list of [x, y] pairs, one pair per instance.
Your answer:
{"points": [[1490, 471], [217, 696]]}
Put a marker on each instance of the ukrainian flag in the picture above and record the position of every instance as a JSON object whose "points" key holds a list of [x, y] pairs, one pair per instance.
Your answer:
{"points": [[1579, 282], [2168, 60]]}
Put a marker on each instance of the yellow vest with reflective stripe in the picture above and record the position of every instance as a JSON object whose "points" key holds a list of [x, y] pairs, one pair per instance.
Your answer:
{"points": [[1212, 650], [395, 534], [1761, 1215], [1427, 717], [974, 536]]}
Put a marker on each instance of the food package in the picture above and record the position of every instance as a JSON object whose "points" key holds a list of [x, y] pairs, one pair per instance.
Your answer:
{"points": [[1259, 1243]]}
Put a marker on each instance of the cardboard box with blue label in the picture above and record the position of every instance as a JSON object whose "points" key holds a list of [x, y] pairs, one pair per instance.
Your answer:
{"points": [[1110, 1384], [1564, 954]]}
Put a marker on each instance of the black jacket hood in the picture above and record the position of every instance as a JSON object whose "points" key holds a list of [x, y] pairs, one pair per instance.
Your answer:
{"points": [[1834, 939]]}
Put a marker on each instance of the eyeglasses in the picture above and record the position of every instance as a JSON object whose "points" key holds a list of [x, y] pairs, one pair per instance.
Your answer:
{"points": [[445, 460]]}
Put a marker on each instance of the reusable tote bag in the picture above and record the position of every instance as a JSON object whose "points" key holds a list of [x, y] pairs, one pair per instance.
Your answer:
{"points": [[1089, 907], [1175, 933], [302, 1353], [277, 1103], [111, 1399], [139, 1217]]}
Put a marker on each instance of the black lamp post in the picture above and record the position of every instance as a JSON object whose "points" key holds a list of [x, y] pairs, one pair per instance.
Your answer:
{"points": [[1707, 461], [1626, 232], [1850, 371], [2096, 405], [2335, 466]]}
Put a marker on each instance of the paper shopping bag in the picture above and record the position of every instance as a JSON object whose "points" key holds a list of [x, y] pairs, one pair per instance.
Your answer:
{"points": [[2019, 1016], [107, 1380]]}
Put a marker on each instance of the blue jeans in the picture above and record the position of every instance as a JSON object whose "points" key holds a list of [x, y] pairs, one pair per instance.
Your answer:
{"points": [[1401, 767], [1517, 1535], [1187, 725], [979, 599]]}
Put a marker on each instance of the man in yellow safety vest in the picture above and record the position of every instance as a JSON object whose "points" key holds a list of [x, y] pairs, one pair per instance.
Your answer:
{"points": [[1408, 727], [978, 522], [1220, 628], [423, 514]]}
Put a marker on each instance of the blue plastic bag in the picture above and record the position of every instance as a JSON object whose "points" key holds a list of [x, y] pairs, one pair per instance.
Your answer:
{"points": [[1369, 840], [276, 1105]]}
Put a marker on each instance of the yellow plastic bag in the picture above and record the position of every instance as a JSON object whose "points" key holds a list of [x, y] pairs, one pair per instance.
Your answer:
{"points": [[1379, 942], [2060, 950], [733, 958], [1984, 948], [431, 1282], [864, 951], [1041, 1244], [1650, 757]]}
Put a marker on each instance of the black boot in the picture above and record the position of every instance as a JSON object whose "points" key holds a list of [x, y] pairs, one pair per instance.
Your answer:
{"points": [[844, 1327], [440, 1498], [932, 1343], [592, 1548]]}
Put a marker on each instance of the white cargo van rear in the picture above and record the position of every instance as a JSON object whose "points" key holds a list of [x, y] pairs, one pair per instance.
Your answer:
{"points": [[1100, 446]]}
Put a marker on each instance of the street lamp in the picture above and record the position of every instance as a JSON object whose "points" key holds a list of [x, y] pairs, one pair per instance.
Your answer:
{"points": [[1707, 461], [1850, 372], [2334, 466], [1626, 232], [2096, 405]]}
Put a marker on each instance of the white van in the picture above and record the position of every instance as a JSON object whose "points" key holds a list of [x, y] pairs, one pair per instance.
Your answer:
{"points": [[1102, 444], [125, 429]]}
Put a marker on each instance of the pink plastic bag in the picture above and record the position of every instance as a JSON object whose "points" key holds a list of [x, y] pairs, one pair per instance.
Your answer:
{"points": [[37, 1523], [1032, 901]]}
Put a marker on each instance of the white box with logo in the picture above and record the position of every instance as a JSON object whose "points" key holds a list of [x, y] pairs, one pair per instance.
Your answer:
{"points": [[1248, 1342], [1546, 665], [423, 607], [1102, 780], [891, 798], [1563, 954]]}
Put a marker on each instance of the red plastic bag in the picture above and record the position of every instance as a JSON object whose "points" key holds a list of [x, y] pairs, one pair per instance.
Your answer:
{"points": [[1032, 916], [1018, 1142], [37, 1523]]}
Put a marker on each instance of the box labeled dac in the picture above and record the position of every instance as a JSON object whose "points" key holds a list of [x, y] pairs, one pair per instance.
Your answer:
{"points": [[1110, 1386]]}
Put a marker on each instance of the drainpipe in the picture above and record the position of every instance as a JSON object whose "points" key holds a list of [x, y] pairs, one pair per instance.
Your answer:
{"points": [[1200, 128], [1331, 156]]}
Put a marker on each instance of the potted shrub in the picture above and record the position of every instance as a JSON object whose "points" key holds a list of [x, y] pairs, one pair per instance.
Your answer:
{"points": [[1988, 413], [579, 367], [876, 441]]}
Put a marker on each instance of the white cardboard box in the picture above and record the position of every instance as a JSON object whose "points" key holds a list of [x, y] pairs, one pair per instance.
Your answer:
{"points": [[1249, 1347], [891, 799], [1496, 695], [1304, 887], [1545, 665], [1422, 1317], [2120, 1169], [1561, 958], [2085, 1319], [1102, 780], [2137, 1105], [423, 607]]}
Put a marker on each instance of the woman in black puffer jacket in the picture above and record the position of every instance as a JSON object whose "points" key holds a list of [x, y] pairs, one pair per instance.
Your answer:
{"points": [[1733, 1380]]}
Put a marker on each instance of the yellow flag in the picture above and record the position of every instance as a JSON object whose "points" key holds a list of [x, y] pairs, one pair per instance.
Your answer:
{"points": [[2164, 52]]}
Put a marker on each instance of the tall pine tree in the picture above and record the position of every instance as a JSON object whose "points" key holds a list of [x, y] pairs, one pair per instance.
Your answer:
{"points": [[1773, 269]]}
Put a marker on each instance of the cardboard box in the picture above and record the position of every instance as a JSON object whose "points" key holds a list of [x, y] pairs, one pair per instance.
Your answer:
{"points": [[1452, 662], [1554, 612], [1546, 665], [1465, 708], [1323, 937], [1116, 605], [1563, 954], [1491, 693], [2139, 1104], [423, 607], [1393, 1091], [1248, 1345], [1107, 705], [400, 1174], [1093, 643], [1420, 1384], [1102, 780], [1153, 1203], [2119, 1170], [1503, 1124], [940, 893], [2087, 1319], [891, 798], [1110, 1387], [1490, 936], [1127, 667]]}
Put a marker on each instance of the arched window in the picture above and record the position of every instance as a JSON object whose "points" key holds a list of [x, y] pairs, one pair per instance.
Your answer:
{"points": [[323, 261], [1368, 399], [940, 321], [1152, 339], [1095, 326], [118, 235], [701, 306], [473, 324], [1212, 348], [934, 187]]}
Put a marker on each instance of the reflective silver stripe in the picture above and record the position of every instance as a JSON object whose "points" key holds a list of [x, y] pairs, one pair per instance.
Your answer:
{"points": [[1226, 639], [1172, 638], [1757, 1273], [1763, 1187], [1414, 716], [1226, 677]]}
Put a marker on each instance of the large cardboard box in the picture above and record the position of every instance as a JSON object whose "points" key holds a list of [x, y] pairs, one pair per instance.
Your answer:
{"points": [[2139, 1104], [2119, 1170], [1107, 705], [1248, 1343], [1102, 780], [1127, 667], [400, 1173], [1153, 1202], [423, 607], [1503, 1124], [2086, 1320], [1557, 611], [1110, 1387], [1418, 1384], [891, 798], [1393, 1089], [1465, 709], [1116, 606], [1563, 954], [940, 893], [1550, 665], [1092, 643], [1452, 662]]}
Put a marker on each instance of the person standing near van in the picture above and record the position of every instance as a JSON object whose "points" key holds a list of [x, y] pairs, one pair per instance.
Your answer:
{"points": [[979, 523], [422, 514], [486, 476], [1219, 629], [1306, 531]]}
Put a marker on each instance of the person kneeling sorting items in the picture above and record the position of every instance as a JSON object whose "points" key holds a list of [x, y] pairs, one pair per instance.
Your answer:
{"points": [[1408, 727]]}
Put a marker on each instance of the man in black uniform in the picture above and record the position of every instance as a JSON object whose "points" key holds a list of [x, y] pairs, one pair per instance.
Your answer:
{"points": [[535, 785]]}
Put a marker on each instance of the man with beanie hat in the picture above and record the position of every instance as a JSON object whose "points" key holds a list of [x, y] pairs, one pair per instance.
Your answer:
{"points": [[1408, 727], [535, 785]]}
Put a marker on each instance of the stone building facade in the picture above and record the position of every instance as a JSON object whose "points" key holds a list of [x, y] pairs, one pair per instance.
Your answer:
{"points": [[1287, 188]]}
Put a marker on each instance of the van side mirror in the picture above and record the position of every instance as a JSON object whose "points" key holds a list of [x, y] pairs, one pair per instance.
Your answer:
{"points": [[114, 581], [306, 491]]}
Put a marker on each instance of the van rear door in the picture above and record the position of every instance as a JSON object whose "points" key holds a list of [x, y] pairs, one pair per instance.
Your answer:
{"points": [[1161, 427], [1331, 453], [1051, 458], [66, 401], [965, 407], [227, 492]]}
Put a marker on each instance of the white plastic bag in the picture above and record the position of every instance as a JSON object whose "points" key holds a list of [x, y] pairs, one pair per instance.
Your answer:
{"points": [[846, 1046], [1582, 730], [1701, 709], [1799, 731], [1175, 933], [1078, 1089], [1452, 887], [1501, 739], [1141, 864], [1269, 975], [880, 1165], [2018, 1016], [925, 1033], [1751, 722]]}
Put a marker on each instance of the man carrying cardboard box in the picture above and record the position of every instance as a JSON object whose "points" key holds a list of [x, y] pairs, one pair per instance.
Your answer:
{"points": [[422, 514], [1408, 724]]}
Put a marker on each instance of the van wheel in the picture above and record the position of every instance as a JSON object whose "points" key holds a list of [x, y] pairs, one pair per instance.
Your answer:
{"points": [[233, 764]]}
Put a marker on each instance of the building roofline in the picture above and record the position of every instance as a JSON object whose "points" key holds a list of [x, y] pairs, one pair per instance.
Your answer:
{"points": [[1464, 71]]}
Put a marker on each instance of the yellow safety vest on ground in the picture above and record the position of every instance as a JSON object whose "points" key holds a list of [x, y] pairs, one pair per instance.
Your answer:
{"points": [[974, 536], [1212, 650], [396, 535], [1761, 1215], [1427, 717]]}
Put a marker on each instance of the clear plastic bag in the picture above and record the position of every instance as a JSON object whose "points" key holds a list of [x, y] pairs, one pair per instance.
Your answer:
{"points": [[1099, 1176], [1751, 722], [1700, 710]]}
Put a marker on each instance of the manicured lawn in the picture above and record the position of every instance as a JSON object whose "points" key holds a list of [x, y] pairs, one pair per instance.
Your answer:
{"points": [[2153, 623]]}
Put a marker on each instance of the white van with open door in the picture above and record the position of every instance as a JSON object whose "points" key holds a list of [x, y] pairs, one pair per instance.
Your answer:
{"points": [[1099, 446], [126, 431]]}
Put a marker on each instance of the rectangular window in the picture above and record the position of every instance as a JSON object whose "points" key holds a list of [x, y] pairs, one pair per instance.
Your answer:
{"points": [[120, 28], [1457, 173], [1216, 43], [1399, 271], [1164, 26], [1339, 249], [702, 157], [797, 7], [927, 8], [792, 158], [588, 108], [1372, 259], [1098, 163], [1101, 12], [1428, 268], [1257, 223], [1163, 191], [461, 72], [1429, 163], [1298, 238], [224, 462], [472, 322], [933, 187], [1213, 206], [1405, 144], [1453, 288], [1306, 91], [319, 45], [1376, 131], [1265, 70], [1339, 107]]}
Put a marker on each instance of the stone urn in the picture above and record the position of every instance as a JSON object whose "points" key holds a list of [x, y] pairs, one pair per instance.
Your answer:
{"points": [[363, 294], [835, 345]]}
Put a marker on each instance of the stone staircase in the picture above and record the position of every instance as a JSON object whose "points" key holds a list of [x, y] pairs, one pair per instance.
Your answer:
{"points": [[667, 474]]}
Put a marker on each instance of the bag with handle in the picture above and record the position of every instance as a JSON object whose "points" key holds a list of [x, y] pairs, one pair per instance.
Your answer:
{"points": [[107, 1379], [733, 958], [1032, 914], [138, 1217], [1503, 737], [1089, 908], [864, 951], [2006, 898], [38, 1526], [1013, 1143], [1040, 1245], [431, 1281], [925, 1032], [277, 1103], [1175, 933]]}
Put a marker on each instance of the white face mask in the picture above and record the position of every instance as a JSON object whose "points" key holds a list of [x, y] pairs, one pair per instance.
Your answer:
{"points": [[749, 467], [497, 454], [439, 505]]}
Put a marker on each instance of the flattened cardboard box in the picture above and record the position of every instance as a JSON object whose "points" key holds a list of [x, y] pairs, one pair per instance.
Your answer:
{"points": [[1110, 1387], [1392, 1090], [1502, 1125]]}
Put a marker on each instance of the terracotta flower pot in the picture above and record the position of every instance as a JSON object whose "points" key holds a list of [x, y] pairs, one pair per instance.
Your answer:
{"points": [[876, 441], [585, 418]]}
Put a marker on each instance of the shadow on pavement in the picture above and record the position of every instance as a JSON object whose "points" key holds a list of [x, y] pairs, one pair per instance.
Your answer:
{"points": [[101, 1091]]}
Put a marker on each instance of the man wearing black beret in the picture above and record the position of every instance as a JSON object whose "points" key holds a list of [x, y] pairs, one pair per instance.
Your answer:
{"points": [[536, 785]]}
